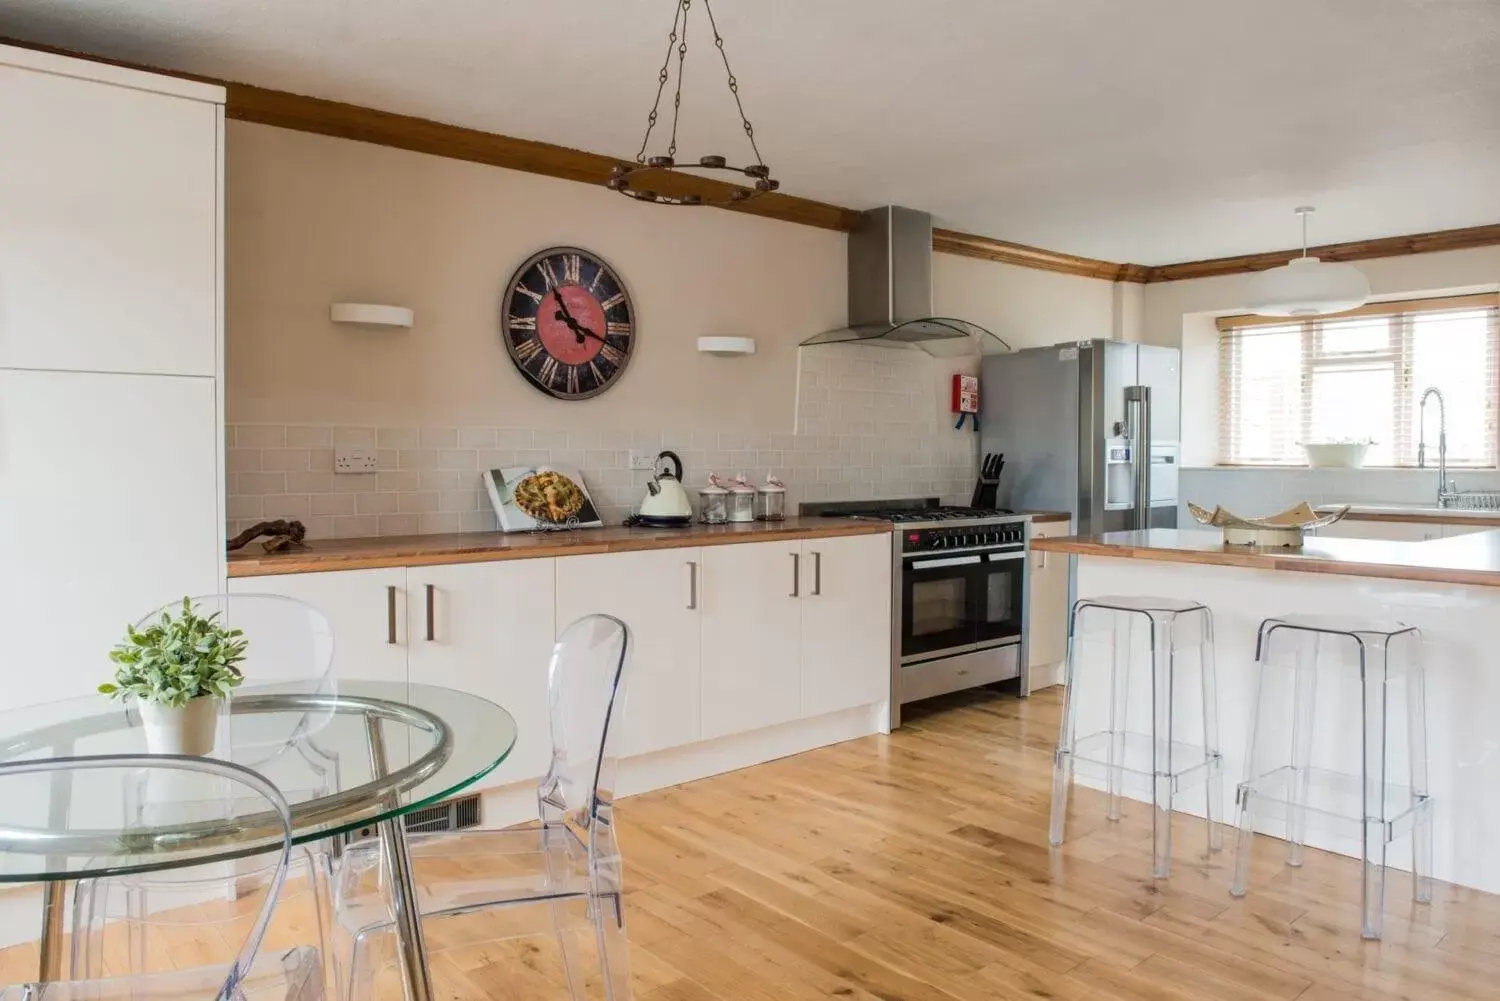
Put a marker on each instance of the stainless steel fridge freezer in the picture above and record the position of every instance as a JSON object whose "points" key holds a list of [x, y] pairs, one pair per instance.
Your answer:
{"points": [[1088, 427]]}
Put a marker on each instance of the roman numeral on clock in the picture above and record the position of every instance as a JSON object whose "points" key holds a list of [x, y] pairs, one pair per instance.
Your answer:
{"points": [[612, 301], [528, 349], [572, 267], [611, 354], [619, 329], [548, 374], [521, 322], [548, 275], [573, 379], [534, 296]]}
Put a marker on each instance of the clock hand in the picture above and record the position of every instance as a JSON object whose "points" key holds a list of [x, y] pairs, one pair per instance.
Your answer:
{"points": [[562, 314]]}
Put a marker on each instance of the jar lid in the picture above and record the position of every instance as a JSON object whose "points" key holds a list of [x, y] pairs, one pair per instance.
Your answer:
{"points": [[742, 485], [773, 485], [714, 488]]}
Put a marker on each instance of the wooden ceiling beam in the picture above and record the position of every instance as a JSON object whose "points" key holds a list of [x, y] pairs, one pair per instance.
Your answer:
{"points": [[986, 248]]}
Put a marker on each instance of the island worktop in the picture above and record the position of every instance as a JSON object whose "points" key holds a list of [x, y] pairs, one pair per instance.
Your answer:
{"points": [[1469, 559]]}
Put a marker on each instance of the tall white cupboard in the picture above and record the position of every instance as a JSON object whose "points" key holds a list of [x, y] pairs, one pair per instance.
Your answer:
{"points": [[111, 360]]}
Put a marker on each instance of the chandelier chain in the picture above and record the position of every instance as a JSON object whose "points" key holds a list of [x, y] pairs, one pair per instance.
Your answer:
{"points": [[734, 85], [661, 80], [681, 66]]}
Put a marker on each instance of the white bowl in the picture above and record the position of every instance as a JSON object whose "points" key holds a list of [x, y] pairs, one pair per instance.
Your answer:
{"points": [[1340, 455]]}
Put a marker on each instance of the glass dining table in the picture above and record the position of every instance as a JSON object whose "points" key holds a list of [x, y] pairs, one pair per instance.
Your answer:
{"points": [[354, 756]]}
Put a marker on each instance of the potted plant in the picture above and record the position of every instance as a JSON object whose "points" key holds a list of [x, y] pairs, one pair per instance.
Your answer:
{"points": [[178, 669]]}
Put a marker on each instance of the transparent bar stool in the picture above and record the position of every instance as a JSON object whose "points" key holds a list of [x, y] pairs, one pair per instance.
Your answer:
{"points": [[1164, 630], [1367, 807]]}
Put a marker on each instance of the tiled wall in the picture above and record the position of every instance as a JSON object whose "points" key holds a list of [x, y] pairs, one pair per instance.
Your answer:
{"points": [[872, 422]]}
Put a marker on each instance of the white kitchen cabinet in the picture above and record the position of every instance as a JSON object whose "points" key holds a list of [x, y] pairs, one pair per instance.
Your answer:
{"points": [[109, 507], [109, 218], [846, 616], [1453, 530], [1047, 615], [368, 611], [488, 629], [751, 596], [657, 594]]}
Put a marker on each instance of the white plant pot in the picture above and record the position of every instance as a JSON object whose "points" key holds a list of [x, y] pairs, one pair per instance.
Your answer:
{"points": [[187, 729]]}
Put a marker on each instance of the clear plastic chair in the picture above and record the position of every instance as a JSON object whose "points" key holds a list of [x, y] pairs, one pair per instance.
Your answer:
{"points": [[183, 811], [1158, 762], [568, 868], [1287, 792], [291, 646]]}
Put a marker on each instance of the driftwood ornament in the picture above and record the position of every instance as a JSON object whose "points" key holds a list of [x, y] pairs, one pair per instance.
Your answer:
{"points": [[284, 535]]}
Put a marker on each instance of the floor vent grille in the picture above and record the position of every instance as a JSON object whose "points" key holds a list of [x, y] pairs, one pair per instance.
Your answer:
{"points": [[451, 815]]}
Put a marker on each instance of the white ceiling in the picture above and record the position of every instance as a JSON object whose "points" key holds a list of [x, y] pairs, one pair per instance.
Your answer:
{"points": [[1151, 131]]}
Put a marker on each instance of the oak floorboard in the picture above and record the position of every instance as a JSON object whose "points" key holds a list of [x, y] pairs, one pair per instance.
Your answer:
{"points": [[915, 867]]}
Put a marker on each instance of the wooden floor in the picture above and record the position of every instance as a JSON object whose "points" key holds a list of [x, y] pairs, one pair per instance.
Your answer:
{"points": [[916, 867]]}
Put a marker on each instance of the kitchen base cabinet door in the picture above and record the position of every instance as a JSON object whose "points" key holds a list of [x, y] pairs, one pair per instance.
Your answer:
{"points": [[846, 623], [367, 609], [1047, 618], [487, 628], [656, 593], [108, 509], [752, 621]]}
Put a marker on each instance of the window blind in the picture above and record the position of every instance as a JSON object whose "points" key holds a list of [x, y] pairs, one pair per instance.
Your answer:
{"points": [[1361, 375]]}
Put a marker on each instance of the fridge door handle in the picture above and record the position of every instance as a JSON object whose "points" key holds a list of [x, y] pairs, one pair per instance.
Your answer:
{"points": [[1138, 417]]}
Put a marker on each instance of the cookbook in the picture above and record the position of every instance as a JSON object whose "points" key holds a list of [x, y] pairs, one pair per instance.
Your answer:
{"points": [[531, 498]]}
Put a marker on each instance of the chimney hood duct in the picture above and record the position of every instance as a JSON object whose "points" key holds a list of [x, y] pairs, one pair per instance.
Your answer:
{"points": [[890, 291]]}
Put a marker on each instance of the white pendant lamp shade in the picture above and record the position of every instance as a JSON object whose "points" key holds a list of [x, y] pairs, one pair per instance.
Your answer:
{"points": [[1306, 286]]}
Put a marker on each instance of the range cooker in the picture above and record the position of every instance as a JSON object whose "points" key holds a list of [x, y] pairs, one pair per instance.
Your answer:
{"points": [[959, 592]]}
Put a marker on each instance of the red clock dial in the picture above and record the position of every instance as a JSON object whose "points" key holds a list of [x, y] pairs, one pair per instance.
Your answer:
{"points": [[568, 323]]}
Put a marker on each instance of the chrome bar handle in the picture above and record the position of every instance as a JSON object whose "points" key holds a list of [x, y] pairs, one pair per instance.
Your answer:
{"points": [[817, 574], [390, 614], [692, 586], [796, 576], [1138, 420], [431, 601]]}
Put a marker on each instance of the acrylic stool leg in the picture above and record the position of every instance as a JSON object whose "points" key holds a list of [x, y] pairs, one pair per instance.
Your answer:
{"points": [[1214, 760], [1119, 688], [1062, 761], [1309, 652], [1163, 666], [1372, 669], [1416, 731], [1244, 798]]}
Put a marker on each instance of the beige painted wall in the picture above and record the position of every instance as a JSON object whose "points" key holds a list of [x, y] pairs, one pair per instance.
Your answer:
{"points": [[312, 220]]}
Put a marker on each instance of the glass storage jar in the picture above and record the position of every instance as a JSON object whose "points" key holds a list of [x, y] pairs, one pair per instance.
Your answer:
{"points": [[741, 499], [713, 502], [770, 500]]}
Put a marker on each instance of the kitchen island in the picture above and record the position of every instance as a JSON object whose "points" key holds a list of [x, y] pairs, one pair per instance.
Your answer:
{"points": [[1450, 588]]}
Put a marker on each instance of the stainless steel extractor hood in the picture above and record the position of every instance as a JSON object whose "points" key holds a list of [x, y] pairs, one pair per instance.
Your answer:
{"points": [[890, 291]]}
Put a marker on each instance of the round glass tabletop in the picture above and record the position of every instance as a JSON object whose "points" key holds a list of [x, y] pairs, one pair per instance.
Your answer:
{"points": [[372, 751]]}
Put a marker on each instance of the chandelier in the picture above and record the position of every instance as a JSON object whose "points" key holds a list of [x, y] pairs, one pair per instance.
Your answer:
{"points": [[632, 180], [1307, 286]]}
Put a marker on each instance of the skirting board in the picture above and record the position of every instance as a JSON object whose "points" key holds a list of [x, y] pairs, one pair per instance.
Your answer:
{"points": [[516, 804]]}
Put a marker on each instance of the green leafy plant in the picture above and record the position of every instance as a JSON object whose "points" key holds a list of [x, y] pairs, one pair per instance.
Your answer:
{"points": [[177, 659]]}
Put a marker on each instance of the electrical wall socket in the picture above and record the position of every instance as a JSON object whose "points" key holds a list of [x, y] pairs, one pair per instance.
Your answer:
{"points": [[354, 460], [642, 460]]}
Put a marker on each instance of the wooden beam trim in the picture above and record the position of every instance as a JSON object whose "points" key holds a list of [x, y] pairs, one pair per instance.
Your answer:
{"points": [[1357, 250], [985, 248]]}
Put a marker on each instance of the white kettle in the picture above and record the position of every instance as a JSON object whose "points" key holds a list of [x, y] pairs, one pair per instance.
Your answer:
{"points": [[666, 502]]}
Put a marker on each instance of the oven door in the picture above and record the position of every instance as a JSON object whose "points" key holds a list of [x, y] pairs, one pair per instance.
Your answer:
{"points": [[1001, 598], [940, 605]]}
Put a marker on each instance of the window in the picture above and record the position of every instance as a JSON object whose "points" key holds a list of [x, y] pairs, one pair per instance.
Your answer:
{"points": [[1361, 375]]}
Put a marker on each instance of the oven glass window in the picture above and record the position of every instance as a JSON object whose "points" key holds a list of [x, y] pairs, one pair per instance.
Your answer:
{"points": [[939, 606], [1002, 598]]}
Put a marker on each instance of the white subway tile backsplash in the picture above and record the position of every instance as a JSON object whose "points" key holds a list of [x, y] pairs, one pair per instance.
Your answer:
{"points": [[870, 426]]}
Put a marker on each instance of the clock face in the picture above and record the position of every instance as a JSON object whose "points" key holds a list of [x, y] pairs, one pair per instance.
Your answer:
{"points": [[568, 323]]}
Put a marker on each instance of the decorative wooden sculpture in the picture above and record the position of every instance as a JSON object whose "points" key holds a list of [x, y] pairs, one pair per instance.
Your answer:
{"points": [[284, 535]]}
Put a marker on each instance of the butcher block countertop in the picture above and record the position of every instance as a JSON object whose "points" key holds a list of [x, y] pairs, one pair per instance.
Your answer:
{"points": [[1418, 515], [1466, 559], [483, 547]]}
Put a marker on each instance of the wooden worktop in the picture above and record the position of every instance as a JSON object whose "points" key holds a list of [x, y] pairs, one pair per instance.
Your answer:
{"points": [[1418, 515], [482, 547], [1466, 559]]}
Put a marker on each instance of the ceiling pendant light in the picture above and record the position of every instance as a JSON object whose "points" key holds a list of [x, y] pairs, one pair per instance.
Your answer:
{"points": [[1307, 286], [640, 180]]}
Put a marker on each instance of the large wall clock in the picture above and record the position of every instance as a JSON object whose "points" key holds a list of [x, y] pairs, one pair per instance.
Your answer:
{"points": [[568, 323]]}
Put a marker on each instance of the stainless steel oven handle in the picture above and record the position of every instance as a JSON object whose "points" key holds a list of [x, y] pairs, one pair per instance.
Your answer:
{"points": [[996, 557], [953, 561], [1019, 550]]}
